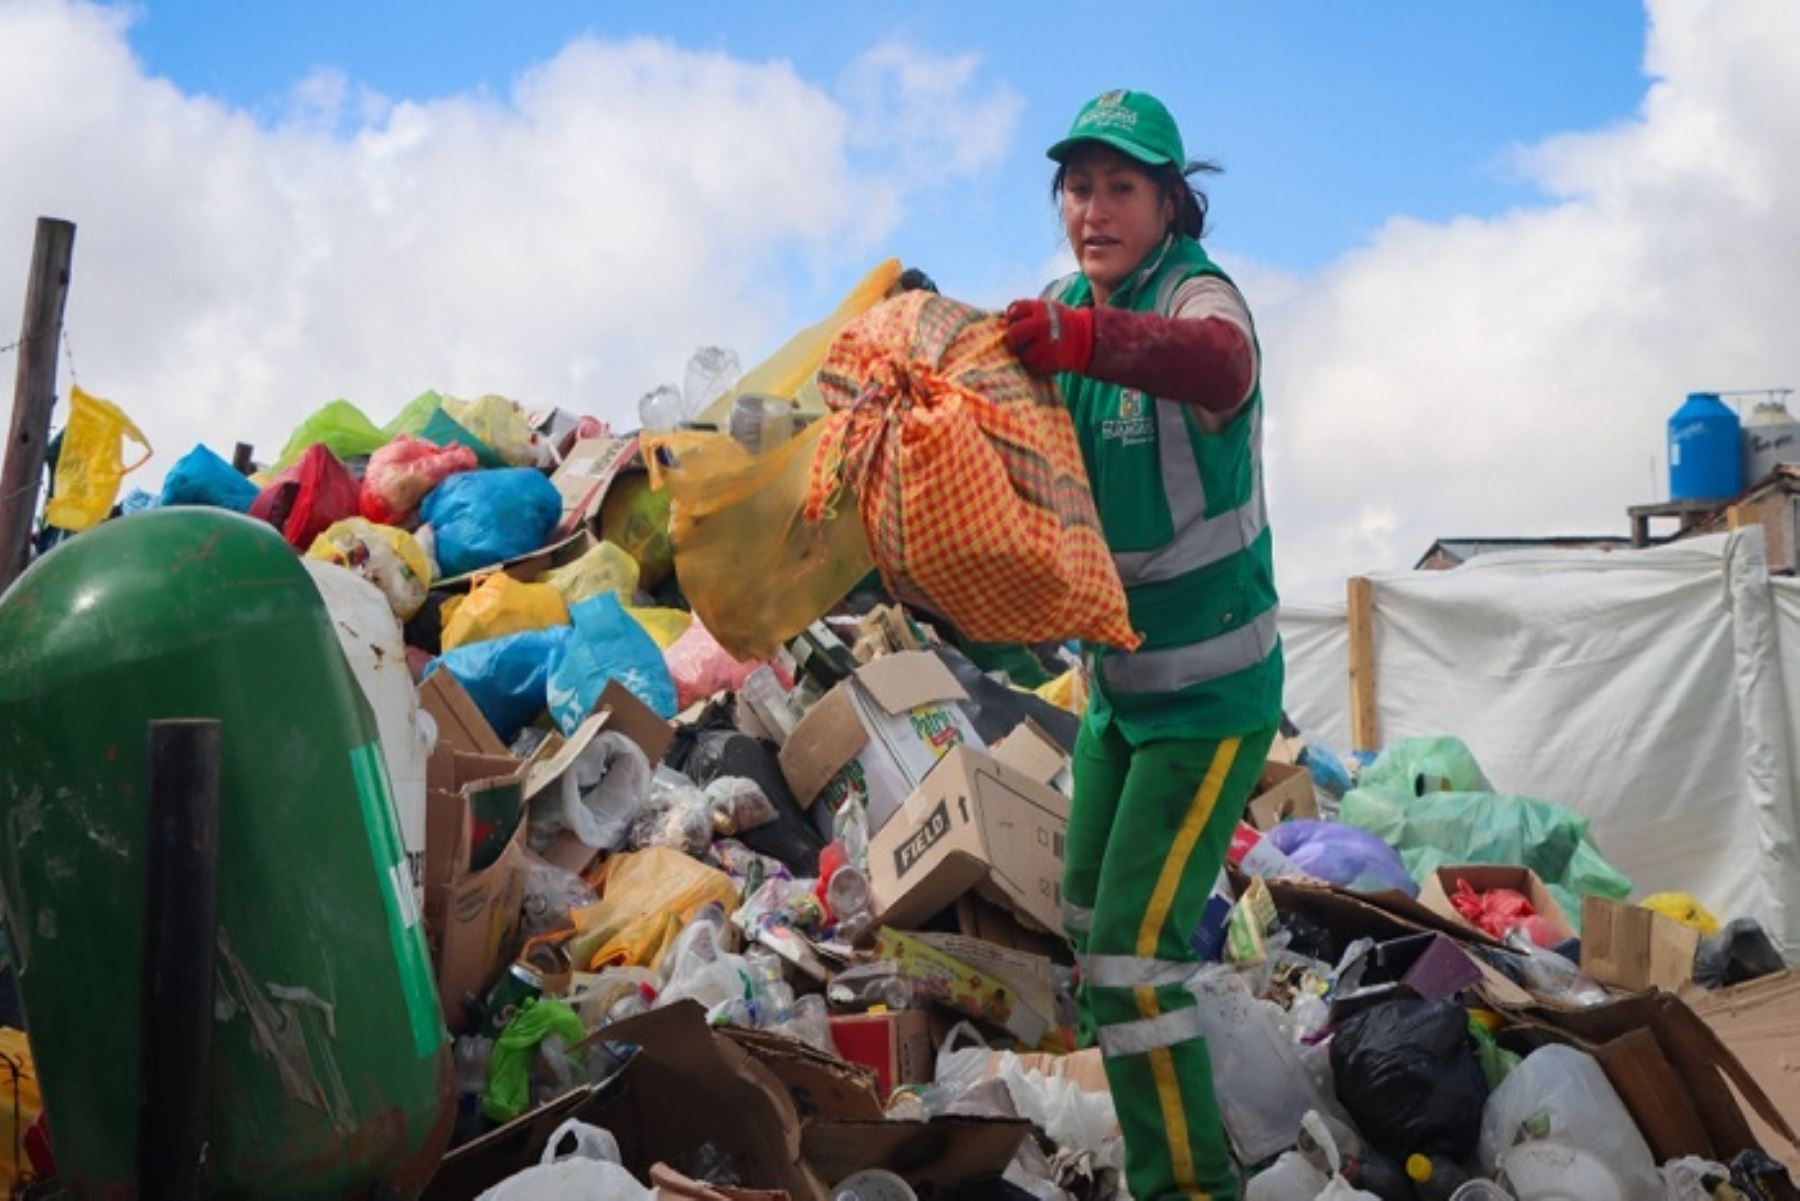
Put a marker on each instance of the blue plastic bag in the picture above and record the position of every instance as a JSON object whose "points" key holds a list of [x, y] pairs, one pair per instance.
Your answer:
{"points": [[203, 478], [605, 644], [506, 677], [486, 517], [1343, 855]]}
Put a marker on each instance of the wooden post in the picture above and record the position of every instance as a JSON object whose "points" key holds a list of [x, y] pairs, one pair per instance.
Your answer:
{"points": [[34, 392], [1365, 732]]}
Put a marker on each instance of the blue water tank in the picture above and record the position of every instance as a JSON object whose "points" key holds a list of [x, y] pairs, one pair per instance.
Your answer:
{"points": [[1706, 450]]}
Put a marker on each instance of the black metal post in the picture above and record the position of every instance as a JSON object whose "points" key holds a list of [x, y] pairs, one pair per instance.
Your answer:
{"points": [[181, 893]]}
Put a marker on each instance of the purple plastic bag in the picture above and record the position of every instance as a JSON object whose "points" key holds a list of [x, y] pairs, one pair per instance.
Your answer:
{"points": [[1343, 855]]}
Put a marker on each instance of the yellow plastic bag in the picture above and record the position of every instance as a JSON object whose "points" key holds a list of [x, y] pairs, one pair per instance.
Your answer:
{"points": [[389, 558], [787, 372], [606, 568], [1066, 691], [635, 518], [646, 897], [21, 1111], [92, 462], [663, 625], [1684, 909], [751, 565], [499, 605], [501, 424]]}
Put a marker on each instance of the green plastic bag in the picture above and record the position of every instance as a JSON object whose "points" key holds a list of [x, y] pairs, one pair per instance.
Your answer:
{"points": [[343, 428], [1416, 766], [1445, 829], [415, 416], [444, 430], [509, 1069]]}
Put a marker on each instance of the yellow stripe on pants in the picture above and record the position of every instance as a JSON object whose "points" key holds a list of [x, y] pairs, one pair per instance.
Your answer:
{"points": [[1168, 881]]}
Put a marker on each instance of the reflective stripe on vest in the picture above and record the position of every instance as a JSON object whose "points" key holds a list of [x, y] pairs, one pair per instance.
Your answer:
{"points": [[1198, 541], [1128, 971], [1181, 667], [1076, 919], [1150, 1034]]}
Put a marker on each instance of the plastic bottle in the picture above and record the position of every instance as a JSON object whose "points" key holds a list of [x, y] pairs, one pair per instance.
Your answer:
{"points": [[642, 1000], [472, 1056], [809, 1021], [1434, 1179]]}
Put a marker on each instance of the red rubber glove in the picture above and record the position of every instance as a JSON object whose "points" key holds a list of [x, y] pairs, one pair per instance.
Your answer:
{"points": [[1048, 337]]}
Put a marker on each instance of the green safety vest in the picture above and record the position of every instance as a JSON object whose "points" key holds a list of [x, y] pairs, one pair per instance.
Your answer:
{"points": [[1184, 515]]}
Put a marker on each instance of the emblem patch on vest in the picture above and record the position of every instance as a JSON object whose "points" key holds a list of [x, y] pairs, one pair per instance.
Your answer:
{"points": [[1134, 425]]}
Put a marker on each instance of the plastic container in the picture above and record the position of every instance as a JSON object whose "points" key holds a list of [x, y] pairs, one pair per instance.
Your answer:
{"points": [[321, 958], [1771, 438], [1554, 1171], [1562, 1097], [1706, 450]]}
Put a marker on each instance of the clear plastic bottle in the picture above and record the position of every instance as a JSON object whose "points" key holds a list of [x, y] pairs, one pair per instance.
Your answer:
{"points": [[663, 409]]}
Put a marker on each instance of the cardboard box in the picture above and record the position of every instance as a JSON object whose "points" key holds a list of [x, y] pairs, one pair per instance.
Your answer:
{"points": [[978, 917], [974, 824], [1629, 947], [1440, 886], [460, 727], [586, 474], [820, 1085], [1759, 1023], [1030, 750], [1283, 793], [878, 734], [948, 981], [897, 1047]]}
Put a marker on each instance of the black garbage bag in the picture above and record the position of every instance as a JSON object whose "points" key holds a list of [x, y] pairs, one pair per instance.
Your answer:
{"points": [[425, 628], [996, 710], [1761, 1178], [1410, 1075], [1738, 953], [713, 747]]}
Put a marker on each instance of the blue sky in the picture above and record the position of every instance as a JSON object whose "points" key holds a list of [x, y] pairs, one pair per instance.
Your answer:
{"points": [[1330, 118]]}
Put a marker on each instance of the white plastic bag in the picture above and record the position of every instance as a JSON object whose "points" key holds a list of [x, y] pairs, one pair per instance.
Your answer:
{"points": [[1560, 1094], [597, 798], [1070, 1115], [591, 1172], [1312, 1173], [961, 1060], [1263, 1086]]}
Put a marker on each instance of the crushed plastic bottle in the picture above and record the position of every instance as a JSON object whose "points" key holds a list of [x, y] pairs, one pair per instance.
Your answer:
{"points": [[662, 410]]}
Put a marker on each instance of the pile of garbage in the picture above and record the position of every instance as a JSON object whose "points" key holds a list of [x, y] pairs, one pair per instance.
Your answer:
{"points": [[741, 877]]}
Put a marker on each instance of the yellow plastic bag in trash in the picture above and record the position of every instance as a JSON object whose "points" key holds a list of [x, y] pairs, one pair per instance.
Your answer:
{"points": [[499, 605], [1684, 909], [646, 897], [92, 462], [21, 1107], [389, 558], [663, 625], [501, 424], [606, 568], [635, 518], [753, 567], [1065, 692], [786, 373]]}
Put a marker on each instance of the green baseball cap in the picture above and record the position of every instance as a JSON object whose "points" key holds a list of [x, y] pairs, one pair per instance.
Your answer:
{"points": [[1135, 123]]}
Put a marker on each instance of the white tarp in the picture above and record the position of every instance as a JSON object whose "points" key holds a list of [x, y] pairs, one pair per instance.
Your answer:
{"points": [[1647, 690]]}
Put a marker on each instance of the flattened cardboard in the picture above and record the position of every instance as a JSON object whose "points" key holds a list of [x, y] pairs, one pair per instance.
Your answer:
{"points": [[1283, 793], [946, 1152], [947, 981], [691, 1085], [1652, 1090], [878, 734], [978, 917], [973, 823], [1440, 886], [479, 922], [819, 1085], [1629, 947], [586, 475], [1759, 1023], [896, 1047], [1030, 750], [1031, 977]]}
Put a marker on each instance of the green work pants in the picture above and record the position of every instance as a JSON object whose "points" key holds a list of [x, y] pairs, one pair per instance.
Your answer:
{"points": [[1148, 832]]}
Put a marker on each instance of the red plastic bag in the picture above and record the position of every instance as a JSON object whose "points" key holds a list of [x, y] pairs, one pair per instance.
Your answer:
{"points": [[1500, 910], [702, 667], [307, 498], [403, 473]]}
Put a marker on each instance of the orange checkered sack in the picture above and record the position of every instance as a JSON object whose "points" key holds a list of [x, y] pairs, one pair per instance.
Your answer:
{"points": [[968, 476]]}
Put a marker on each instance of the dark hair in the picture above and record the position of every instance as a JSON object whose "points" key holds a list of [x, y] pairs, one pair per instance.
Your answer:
{"points": [[1176, 186]]}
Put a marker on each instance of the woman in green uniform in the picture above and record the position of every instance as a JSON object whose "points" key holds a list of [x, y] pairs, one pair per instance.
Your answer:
{"points": [[1157, 359]]}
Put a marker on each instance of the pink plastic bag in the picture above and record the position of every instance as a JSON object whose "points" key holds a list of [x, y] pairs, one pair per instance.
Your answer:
{"points": [[402, 473], [702, 667]]}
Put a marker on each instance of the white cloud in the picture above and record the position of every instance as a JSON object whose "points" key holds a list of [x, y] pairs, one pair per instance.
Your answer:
{"points": [[568, 241], [1512, 376]]}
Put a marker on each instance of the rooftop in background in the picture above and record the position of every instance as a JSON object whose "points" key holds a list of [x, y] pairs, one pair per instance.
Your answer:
{"points": [[1446, 553]]}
